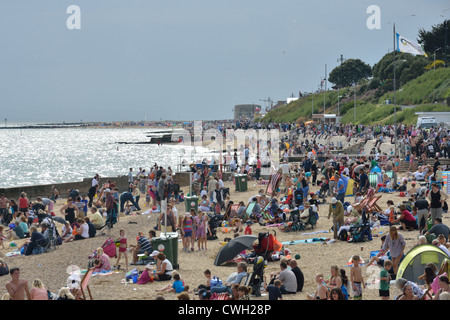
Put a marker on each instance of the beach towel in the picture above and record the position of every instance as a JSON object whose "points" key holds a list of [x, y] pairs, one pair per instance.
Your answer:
{"points": [[311, 240], [350, 263]]}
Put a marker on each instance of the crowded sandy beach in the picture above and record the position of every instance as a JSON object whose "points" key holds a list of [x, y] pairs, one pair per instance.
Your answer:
{"points": [[327, 260]]}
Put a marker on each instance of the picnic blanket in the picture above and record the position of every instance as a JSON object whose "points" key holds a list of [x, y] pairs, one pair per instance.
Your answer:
{"points": [[311, 240]]}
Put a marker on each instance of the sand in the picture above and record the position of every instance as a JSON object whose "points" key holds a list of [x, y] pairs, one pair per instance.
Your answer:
{"points": [[51, 267]]}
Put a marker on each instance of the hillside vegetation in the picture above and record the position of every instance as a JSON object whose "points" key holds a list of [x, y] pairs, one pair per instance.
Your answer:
{"points": [[427, 92]]}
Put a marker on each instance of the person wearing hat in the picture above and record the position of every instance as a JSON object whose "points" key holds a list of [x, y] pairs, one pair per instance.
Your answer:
{"points": [[336, 209]]}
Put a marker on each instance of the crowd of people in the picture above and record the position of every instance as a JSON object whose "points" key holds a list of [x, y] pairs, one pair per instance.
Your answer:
{"points": [[102, 205]]}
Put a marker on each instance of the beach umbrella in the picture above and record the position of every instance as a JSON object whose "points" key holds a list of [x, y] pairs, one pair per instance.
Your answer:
{"points": [[232, 248]]}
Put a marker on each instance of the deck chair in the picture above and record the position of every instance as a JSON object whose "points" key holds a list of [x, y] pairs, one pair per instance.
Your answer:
{"points": [[249, 210], [372, 205], [370, 192], [267, 216], [274, 183], [427, 294], [445, 267], [229, 213], [79, 293], [362, 204]]}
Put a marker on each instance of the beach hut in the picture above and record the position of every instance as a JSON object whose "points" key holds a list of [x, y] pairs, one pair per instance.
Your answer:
{"points": [[414, 262]]}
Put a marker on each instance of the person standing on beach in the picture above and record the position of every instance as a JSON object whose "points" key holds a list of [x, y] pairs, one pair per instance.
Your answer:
{"points": [[96, 180], [110, 207], [437, 198], [55, 194], [122, 249], [395, 243], [337, 210], [23, 203], [4, 209], [161, 189], [91, 194], [130, 179], [69, 210], [17, 288]]}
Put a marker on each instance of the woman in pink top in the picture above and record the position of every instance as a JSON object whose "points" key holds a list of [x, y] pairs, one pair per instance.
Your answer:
{"points": [[102, 262], [38, 291]]}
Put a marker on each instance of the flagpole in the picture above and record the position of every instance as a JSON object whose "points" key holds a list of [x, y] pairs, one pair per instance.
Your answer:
{"points": [[395, 102]]}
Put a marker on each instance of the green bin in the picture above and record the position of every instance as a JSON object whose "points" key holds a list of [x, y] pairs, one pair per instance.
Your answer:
{"points": [[167, 243], [191, 203], [240, 182]]}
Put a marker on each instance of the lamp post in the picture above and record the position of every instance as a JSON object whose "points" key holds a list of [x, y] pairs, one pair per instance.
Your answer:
{"points": [[341, 59], [325, 93], [338, 104], [354, 103], [435, 57]]}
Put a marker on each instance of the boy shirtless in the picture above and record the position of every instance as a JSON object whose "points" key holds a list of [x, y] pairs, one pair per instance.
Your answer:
{"points": [[356, 278], [322, 290], [17, 288]]}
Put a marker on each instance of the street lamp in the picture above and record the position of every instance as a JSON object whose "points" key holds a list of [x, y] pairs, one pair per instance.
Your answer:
{"points": [[435, 57], [341, 59], [338, 103], [354, 103]]}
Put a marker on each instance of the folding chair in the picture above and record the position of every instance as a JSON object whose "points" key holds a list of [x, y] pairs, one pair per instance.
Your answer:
{"points": [[427, 294], [372, 205], [249, 210], [273, 184], [361, 205], [79, 293], [231, 209]]}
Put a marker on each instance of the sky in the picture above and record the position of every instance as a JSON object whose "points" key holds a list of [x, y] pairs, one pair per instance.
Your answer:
{"points": [[184, 60]]}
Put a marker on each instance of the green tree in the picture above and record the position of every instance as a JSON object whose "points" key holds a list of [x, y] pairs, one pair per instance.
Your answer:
{"points": [[350, 71], [407, 67], [434, 39]]}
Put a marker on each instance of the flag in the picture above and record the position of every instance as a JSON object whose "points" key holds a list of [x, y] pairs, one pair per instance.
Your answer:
{"points": [[404, 45]]}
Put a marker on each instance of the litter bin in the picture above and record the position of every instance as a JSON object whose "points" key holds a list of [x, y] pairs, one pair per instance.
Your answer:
{"points": [[240, 182], [191, 203], [167, 243]]}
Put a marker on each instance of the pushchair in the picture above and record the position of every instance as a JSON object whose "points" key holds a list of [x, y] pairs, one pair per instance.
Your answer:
{"points": [[215, 221], [298, 197], [257, 276], [111, 219], [109, 248], [309, 217], [53, 234], [322, 193], [361, 231], [288, 200], [265, 246], [293, 223]]}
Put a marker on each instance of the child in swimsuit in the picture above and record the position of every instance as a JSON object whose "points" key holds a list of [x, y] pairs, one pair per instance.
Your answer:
{"points": [[122, 249]]}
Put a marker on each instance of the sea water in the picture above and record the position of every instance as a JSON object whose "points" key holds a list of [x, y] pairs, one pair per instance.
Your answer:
{"points": [[58, 155]]}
